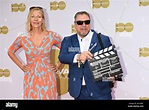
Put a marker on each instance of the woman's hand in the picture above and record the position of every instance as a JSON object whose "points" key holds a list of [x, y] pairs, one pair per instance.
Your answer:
{"points": [[25, 68]]}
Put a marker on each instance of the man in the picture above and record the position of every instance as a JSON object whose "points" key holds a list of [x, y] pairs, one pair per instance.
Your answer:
{"points": [[75, 51]]}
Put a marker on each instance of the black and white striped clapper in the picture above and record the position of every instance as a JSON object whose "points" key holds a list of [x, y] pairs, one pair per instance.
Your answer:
{"points": [[105, 63]]}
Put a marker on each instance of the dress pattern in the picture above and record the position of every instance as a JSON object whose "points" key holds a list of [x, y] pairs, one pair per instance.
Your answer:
{"points": [[39, 81]]}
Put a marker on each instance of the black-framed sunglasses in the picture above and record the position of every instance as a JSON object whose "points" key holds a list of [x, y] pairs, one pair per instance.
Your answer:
{"points": [[81, 22], [35, 7]]}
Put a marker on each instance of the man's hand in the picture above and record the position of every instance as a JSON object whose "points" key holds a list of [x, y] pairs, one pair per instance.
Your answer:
{"points": [[84, 56]]}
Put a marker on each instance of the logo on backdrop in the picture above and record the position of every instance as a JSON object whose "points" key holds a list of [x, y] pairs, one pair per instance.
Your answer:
{"points": [[5, 73], [57, 5], [143, 2], [3, 30], [144, 98], [144, 52], [73, 30], [100, 3], [18, 7], [120, 27]]}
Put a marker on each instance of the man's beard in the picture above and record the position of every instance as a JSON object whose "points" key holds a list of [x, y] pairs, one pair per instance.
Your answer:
{"points": [[84, 34]]}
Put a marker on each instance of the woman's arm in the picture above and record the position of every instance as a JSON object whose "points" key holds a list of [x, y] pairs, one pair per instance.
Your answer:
{"points": [[17, 61]]}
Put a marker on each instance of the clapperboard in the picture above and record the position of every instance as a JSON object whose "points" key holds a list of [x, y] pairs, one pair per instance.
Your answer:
{"points": [[105, 63]]}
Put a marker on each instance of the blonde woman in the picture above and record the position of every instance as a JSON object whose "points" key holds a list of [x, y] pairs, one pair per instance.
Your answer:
{"points": [[39, 73]]}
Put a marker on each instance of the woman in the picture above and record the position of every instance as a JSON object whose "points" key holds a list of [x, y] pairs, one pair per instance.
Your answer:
{"points": [[39, 73]]}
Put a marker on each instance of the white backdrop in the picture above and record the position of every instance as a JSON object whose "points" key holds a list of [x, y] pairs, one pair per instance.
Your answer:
{"points": [[105, 15]]}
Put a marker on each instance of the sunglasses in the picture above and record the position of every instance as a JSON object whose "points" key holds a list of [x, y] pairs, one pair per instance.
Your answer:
{"points": [[81, 22], [38, 7]]}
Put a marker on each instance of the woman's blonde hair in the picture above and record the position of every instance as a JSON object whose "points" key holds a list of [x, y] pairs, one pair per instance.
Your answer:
{"points": [[28, 24]]}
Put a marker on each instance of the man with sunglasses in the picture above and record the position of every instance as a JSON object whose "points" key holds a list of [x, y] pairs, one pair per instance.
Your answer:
{"points": [[75, 51]]}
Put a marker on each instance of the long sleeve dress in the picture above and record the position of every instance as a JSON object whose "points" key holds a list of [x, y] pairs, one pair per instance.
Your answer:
{"points": [[39, 81]]}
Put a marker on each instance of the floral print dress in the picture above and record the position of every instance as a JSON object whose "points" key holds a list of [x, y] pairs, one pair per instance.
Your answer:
{"points": [[39, 81]]}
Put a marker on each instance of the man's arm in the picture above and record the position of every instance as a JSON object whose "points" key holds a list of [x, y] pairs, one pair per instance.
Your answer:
{"points": [[66, 56]]}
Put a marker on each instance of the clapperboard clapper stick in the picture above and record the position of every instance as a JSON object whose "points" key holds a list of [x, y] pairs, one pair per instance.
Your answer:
{"points": [[92, 47]]}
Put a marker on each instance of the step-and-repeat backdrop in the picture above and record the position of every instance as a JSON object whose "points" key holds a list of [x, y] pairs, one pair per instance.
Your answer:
{"points": [[125, 21]]}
